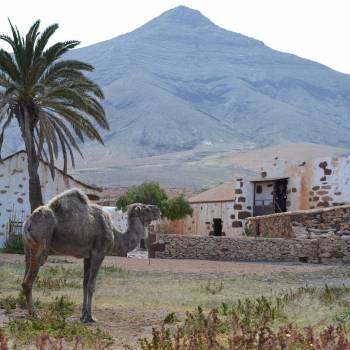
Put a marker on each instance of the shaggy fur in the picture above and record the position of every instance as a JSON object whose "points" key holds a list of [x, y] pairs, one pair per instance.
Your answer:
{"points": [[70, 225]]}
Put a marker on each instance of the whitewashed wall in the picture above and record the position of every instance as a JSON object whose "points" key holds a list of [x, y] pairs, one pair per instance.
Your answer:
{"points": [[118, 217], [14, 198], [317, 183], [202, 219]]}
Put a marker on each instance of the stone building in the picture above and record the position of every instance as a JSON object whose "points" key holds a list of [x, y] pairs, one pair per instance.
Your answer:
{"points": [[14, 196], [213, 213], [284, 186]]}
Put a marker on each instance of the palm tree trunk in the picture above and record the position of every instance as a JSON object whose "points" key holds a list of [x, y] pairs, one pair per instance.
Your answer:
{"points": [[35, 195]]}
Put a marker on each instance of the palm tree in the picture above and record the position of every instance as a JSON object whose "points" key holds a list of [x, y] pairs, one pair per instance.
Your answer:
{"points": [[51, 98]]}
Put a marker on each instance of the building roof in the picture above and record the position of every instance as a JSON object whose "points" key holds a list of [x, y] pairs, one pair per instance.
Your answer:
{"points": [[221, 193], [57, 169]]}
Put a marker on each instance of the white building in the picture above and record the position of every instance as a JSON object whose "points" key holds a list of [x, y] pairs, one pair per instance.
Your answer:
{"points": [[213, 213], [14, 192], [285, 186]]}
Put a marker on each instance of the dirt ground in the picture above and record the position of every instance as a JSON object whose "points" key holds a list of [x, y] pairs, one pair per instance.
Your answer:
{"points": [[229, 268], [129, 302]]}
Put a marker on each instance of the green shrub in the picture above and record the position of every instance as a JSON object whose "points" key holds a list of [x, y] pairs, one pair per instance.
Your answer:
{"points": [[8, 304], [248, 231], [13, 245]]}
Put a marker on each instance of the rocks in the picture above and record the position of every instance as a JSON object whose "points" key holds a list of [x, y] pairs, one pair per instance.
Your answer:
{"points": [[244, 214]]}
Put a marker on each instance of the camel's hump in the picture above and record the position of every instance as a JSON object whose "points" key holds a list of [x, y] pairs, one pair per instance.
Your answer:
{"points": [[73, 198]]}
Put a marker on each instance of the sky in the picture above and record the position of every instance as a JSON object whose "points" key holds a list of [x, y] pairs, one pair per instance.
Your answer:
{"points": [[315, 29]]}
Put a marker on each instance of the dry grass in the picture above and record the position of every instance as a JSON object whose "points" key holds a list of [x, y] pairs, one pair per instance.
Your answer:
{"points": [[128, 302]]}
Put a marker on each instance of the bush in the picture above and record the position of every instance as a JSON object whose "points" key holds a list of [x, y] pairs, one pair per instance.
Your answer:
{"points": [[151, 193], [176, 208], [13, 245]]}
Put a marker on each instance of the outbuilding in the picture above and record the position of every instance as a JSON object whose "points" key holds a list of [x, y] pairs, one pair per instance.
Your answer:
{"points": [[14, 191], [213, 213]]}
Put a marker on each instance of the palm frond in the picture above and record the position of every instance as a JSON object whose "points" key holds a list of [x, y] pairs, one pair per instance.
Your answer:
{"points": [[52, 99], [43, 40]]}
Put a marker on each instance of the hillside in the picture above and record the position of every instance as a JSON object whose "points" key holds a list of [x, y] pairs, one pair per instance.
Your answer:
{"points": [[203, 167], [180, 87], [180, 81]]}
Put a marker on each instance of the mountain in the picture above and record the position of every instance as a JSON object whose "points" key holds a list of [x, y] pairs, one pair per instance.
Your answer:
{"points": [[180, 87], [180, 81]]}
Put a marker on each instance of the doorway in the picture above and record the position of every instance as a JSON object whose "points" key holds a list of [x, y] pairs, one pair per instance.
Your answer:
{"points": [[281, 196], [217, 227]]}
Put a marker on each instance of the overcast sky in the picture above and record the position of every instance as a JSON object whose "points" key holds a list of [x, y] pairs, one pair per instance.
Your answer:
{"points": [[314, 29]]}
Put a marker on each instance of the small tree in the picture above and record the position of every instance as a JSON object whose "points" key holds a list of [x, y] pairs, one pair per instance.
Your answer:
{"points": [[176, 208], [151, 193]]}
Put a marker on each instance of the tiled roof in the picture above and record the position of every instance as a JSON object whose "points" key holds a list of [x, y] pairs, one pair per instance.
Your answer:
{"points": [[221, 193]]}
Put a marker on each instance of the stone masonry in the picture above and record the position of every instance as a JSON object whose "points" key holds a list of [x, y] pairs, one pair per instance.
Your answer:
{"points": [[320, 250], [331, 221]]}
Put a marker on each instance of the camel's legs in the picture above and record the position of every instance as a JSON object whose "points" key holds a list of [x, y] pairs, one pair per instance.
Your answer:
{"points": [[95, 264], [33, 254], [27, 258], [87, 263]]}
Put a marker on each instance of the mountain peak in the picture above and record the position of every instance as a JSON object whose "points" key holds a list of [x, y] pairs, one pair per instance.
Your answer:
{"points": [[182, 15]]}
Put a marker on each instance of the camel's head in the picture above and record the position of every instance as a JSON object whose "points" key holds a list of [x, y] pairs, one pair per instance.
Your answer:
{"points": [[147, 213]]}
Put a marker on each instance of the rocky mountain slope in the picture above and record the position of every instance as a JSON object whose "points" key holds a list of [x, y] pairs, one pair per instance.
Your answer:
{"points": [[185, 90], [180, 81]]}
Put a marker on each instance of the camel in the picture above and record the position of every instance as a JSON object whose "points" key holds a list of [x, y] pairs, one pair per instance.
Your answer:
{"points": [[70, 225]]}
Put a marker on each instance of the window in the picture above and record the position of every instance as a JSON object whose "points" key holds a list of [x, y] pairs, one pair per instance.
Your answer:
{"points": [[258, 189]]}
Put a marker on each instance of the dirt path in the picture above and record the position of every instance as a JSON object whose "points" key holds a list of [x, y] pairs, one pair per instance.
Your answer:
{"points": [[229, 268]]}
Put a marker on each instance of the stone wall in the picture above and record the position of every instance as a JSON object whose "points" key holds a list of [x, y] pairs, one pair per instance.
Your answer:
{"points": [[239, 249], [320, 250], [334, 220], [273, 226]]}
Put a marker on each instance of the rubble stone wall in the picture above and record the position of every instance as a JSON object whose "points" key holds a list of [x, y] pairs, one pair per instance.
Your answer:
{"points": [[319, 250], [334, 220], [273, 226], [239, 249]]}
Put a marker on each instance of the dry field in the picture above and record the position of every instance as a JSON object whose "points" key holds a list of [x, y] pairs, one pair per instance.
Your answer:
{"points": [[133, 295]]}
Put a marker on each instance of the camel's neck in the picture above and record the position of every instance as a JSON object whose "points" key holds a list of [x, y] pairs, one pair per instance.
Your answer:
{"points": [[128, 241]]}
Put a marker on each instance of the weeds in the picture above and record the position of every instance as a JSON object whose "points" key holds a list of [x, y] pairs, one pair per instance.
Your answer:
{"points": [[112, 269], [213, 287], [209, 332], [248, 231], [46, 342], [171, 318], [51, 283], [250, 324], [13, 245], [54, 323], [115, 270], [61, 271], [9, 303]]}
